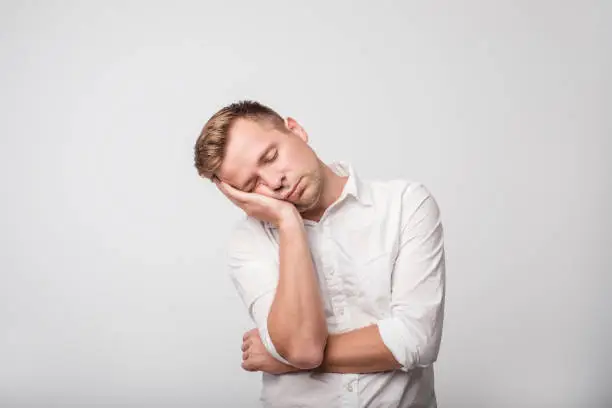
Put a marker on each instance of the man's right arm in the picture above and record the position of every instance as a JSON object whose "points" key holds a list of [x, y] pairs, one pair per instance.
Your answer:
{"points": [[296, 322], [283, 296]]}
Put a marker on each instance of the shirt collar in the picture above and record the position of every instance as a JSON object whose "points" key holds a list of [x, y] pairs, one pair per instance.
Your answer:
{"points": [[354, 186]]}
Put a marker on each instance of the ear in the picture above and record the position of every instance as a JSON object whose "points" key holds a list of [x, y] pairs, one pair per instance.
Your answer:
{"points": [[296, 128]]}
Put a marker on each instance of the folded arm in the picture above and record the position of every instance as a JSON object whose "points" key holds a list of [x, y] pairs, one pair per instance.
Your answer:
{"points": [[410, 336]]}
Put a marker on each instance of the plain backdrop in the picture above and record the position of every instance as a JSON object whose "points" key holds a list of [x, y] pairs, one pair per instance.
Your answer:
{"points": [[113, 289]]}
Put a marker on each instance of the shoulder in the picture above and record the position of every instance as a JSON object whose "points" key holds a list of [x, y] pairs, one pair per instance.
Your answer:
{"points": [[246, 228], [250, 239], [404, 197], [409, 192]]}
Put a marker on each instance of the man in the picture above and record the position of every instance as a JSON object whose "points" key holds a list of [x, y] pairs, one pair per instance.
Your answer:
{"points": [[343, 277]]}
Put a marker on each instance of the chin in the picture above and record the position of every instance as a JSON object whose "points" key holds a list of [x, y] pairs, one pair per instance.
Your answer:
{"points": [[307, 202], [302, 208]]}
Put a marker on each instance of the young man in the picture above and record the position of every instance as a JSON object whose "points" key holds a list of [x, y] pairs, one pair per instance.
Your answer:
{"points": [[344, 278]]}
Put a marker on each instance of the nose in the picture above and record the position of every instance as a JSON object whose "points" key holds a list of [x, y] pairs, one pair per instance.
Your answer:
{"points": [[273, 180]]}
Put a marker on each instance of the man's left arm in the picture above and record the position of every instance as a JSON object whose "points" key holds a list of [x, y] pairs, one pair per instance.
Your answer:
{"points": [[410, 337]]}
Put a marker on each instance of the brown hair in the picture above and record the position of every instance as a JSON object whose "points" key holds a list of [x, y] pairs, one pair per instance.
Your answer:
{"points": [[210, 146]]}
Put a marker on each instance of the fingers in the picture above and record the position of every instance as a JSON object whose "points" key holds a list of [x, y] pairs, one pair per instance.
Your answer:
{"points": [[247, 341], [246, 365], [222, 186], [236, 201], [249, 334], [232, 193], [266, 191]]}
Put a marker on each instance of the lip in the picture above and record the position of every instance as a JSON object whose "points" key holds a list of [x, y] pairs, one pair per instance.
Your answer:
{"points": [[293, 190]]}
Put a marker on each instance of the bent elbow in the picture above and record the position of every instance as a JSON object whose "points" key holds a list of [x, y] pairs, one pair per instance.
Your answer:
{"points": [[306, 358], [428, 352], [303, 351], [427, 358]]}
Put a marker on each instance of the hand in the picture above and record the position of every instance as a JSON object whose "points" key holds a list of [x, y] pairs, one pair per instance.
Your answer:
{"points": [[255, 357], [262, 207]]}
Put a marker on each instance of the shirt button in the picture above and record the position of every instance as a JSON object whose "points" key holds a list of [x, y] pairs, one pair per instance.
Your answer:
{"points": [[331, 272], [341, 312], [350, 387]]}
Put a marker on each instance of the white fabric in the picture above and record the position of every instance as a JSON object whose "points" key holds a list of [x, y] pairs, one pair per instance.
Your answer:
{"points": [[378, 252]]}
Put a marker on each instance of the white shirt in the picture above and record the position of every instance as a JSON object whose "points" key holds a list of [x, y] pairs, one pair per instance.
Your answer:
{"points": [[378, 252]]}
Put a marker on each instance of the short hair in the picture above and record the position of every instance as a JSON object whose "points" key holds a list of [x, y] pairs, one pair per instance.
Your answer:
{"points": [[211, 144]]}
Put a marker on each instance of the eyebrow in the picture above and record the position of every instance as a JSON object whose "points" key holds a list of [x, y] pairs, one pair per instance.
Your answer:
{"points": [[259, 161]]}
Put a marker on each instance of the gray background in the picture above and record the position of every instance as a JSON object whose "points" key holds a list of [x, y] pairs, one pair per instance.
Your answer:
{"points": [[112, 288]]}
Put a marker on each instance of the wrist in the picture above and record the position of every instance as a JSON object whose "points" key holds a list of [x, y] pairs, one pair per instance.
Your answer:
{"points": [[289, 218]]}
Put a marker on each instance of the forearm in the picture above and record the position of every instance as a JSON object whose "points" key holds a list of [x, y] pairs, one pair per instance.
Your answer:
{"points": [[296, 321], [357, 351]]}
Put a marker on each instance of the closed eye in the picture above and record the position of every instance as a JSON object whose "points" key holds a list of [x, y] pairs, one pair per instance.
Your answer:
{"points": [[272, 157]]}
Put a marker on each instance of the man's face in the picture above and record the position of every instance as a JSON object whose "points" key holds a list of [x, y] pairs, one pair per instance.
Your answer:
{"points": [[262, 159]]}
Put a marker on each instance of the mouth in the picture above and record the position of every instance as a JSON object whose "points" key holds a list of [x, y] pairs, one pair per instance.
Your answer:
{"points": [[293, 190]]}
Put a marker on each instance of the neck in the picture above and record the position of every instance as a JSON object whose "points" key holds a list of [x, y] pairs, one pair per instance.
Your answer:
{"points": [[333, 184]]}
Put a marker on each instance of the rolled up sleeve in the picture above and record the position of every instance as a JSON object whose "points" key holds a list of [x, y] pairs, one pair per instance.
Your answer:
{"points": [[413, 331], [253, 269]]}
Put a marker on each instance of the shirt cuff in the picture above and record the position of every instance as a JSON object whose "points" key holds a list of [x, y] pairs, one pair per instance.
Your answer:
{"points": [[394, 336], [267, 342]]}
